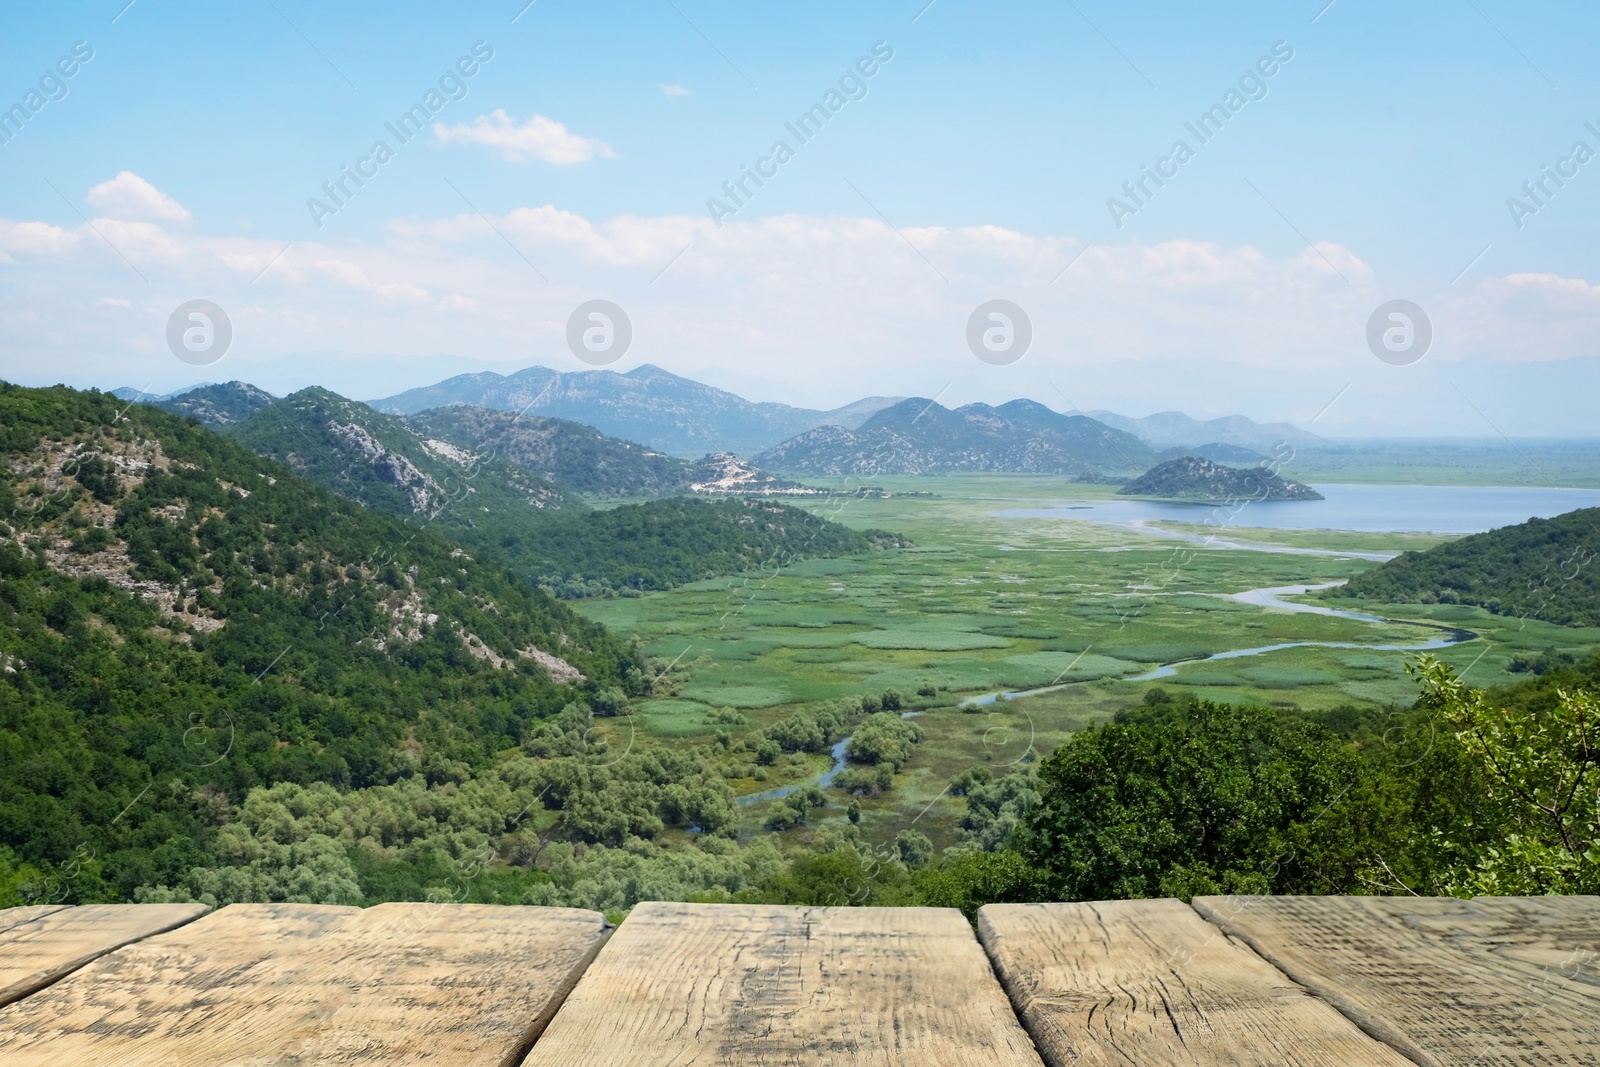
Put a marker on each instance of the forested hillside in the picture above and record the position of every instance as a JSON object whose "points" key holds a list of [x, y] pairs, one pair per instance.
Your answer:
{"points": [[584, 460], [491, 492], [215, 406], [181, 621], [664, 543], [1541, 569]]}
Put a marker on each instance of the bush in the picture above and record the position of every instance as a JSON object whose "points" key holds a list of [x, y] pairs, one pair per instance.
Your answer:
{"points": [[1218, 800], [884, 738], [915, 850]]}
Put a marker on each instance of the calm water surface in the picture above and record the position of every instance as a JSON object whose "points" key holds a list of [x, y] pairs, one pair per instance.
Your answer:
{"points": [[1445, 509]]}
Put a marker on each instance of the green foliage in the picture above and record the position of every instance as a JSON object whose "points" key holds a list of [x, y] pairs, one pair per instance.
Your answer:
{"points": [[1542, 769], [994, 807], [523, 511], [970, 879], [1551, 659], [1213, 799], [915, 849], [885, 738], [313, 641], [1540, 569], [577, 457], [665, 543]]}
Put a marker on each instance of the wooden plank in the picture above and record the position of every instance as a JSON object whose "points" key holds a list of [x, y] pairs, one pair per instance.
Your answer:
{"points": [[10, 917], [1488, 981], [1150, 982], [35, 953], [259, 984], [707, 984]]}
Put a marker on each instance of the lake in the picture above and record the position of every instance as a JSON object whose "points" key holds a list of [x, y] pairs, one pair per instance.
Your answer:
{"points": [[1443, 509]]}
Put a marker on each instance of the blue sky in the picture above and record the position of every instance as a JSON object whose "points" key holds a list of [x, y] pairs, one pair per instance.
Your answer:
{"points": [[979, 163]]}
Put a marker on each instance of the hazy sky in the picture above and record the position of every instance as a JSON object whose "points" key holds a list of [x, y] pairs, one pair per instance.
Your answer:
{"points": [[570, 150]]}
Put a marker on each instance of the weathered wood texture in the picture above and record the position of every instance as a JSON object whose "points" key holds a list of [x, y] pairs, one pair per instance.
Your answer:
{"points": [[1487, 982], [1150, 982], [280, 984], [687, 985], [17, 916], [44, 943]]}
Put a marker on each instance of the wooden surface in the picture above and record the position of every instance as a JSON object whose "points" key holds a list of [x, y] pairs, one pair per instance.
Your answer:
{"points": [[45, 943], [1246, 981], [688, 985], [17, 916], [1150, 982], [292, 984], [1486, 982]]}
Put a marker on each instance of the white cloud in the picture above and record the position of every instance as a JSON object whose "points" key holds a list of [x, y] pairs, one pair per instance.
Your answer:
{"points": [[128, 196], [538, 137], [114, 302], [674, 90], [356, 277], [36, 238], [820, 308]]}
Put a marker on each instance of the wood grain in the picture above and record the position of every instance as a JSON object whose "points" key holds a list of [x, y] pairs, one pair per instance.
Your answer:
{"points": [[1150, 982], [267, 984], [10, 917], [56, 941], [687, 984], [1487, 982]]}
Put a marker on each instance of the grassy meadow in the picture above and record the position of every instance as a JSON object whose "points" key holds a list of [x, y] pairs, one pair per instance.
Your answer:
{"points": [[984, 604]]}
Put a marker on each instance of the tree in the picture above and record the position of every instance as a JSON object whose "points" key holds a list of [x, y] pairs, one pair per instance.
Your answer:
{"points": [[1215, 799], [915, 850], [1543, 773]]}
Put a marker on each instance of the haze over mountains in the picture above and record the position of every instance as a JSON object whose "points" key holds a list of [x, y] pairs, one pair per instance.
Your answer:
{"points": [[689, 419], [918, 436], [677, 415]]}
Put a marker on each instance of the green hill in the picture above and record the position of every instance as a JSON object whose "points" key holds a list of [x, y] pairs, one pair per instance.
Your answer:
{"points": [[1197, 478], [1541, 569], [381, 462], [181, 620], [569, 454], [584, 460], [523, 511]]}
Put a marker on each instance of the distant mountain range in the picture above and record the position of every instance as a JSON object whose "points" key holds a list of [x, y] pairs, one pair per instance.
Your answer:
{"points": [[1217, 452], [918, 436], [676, 415], [551, 419], [1168, 429], [1195, 478]]}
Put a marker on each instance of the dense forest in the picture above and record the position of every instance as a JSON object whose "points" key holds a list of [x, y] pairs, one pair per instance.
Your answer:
{"points": [[1539, 569]]}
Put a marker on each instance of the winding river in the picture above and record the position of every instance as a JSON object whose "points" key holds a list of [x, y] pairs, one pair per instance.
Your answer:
{"points": [[1272, 597], [1266, 597]]}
